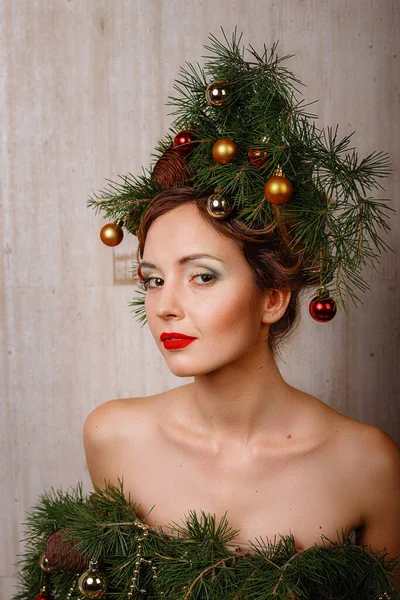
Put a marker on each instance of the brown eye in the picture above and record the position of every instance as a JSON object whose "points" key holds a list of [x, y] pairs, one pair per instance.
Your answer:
{"points": [[206, 277], [146, 282]]}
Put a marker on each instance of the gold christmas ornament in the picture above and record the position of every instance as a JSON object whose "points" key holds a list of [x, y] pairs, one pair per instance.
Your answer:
{"points": [[91, 583], [111, 234], [45, 564], [278, 188], [217, 93], [218, 206], [224, 151]]}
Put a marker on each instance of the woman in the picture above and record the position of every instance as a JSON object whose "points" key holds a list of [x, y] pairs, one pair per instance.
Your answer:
{"points": [[227, 243], [239, 438]]}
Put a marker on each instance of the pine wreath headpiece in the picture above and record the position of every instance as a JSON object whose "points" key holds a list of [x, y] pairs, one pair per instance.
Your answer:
{"points": [[242, 137]]}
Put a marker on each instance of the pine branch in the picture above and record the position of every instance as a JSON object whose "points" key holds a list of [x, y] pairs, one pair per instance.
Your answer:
{"points": [[193, 563], [332, 213]]}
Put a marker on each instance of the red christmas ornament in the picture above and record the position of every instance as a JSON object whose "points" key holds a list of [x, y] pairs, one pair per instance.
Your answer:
{"points": [[183, 141], [322, 308], [42, 596], [257, 157]]}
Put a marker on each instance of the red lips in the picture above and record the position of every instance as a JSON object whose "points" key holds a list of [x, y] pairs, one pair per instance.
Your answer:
{"points": [[176, 336], [177, 344], [175, 341]]}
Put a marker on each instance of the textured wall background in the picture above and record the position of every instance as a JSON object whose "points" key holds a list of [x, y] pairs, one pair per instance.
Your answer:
{"points": [[83, 85]]}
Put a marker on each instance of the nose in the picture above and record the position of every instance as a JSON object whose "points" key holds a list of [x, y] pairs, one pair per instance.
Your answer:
{"points": [[169, 303]]}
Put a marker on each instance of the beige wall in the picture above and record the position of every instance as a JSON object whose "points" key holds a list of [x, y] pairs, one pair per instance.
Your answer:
{"points": [[83, 85]]}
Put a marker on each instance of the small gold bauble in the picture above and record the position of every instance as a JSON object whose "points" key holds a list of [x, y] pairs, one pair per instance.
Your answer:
{"points": [[224, 151], [92, 584], [45, 565], [111, 234], [218, 206], [278, 188], [217, 93]]}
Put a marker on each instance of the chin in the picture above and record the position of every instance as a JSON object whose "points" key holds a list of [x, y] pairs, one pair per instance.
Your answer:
{"points": [[184, 370], [193, 370]]}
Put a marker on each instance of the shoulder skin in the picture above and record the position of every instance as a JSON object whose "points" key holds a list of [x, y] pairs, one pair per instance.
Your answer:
{"points": [[104, 432], [377, 485]]}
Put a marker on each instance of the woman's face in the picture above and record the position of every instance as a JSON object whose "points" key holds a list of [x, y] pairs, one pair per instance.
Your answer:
{"points": [[210, 298]]}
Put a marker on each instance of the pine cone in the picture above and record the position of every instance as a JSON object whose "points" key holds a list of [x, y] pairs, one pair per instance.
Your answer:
{"points": [[170, 170], [62, 555]]}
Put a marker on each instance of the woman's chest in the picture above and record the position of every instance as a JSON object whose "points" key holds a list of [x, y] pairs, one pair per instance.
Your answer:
{"points": [[265, 497]]}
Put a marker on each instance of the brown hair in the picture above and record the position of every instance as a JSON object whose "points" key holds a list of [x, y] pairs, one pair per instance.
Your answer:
{"points": [[274, 266]]}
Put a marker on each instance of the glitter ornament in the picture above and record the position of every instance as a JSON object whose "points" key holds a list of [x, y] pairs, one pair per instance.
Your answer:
{"points": [[278, 188], [257, 157], [111, 234], [322, 308], [218, 206], [224, 151], [183, 141], [217, 93]]}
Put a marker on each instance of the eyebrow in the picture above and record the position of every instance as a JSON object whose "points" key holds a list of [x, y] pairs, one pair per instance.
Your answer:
{"points": [[184, 260]]}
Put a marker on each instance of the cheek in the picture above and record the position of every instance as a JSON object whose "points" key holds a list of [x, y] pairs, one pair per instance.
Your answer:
{"points": [[232, 312], [150, 311]]}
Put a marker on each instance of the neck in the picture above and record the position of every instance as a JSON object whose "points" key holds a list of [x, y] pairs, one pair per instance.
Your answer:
{"points": [[241, 400]]}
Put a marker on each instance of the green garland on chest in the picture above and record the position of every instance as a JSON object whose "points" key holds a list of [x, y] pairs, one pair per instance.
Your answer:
{"points": [[67, 529]]}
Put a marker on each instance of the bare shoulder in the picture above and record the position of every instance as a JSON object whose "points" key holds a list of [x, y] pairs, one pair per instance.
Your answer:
{"points": [[363, 462], [104, 422], [117, 418], [374, 456], [369, 456], [113, 431], [372, 460], [366, 444], [125, 419], [364, 448]]}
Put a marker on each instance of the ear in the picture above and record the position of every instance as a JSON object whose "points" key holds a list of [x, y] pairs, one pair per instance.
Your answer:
{"points": [[275, 305]]}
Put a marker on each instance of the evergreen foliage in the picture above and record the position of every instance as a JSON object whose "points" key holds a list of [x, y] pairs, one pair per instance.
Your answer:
{"points": [[334, 220], [193, 562]]}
